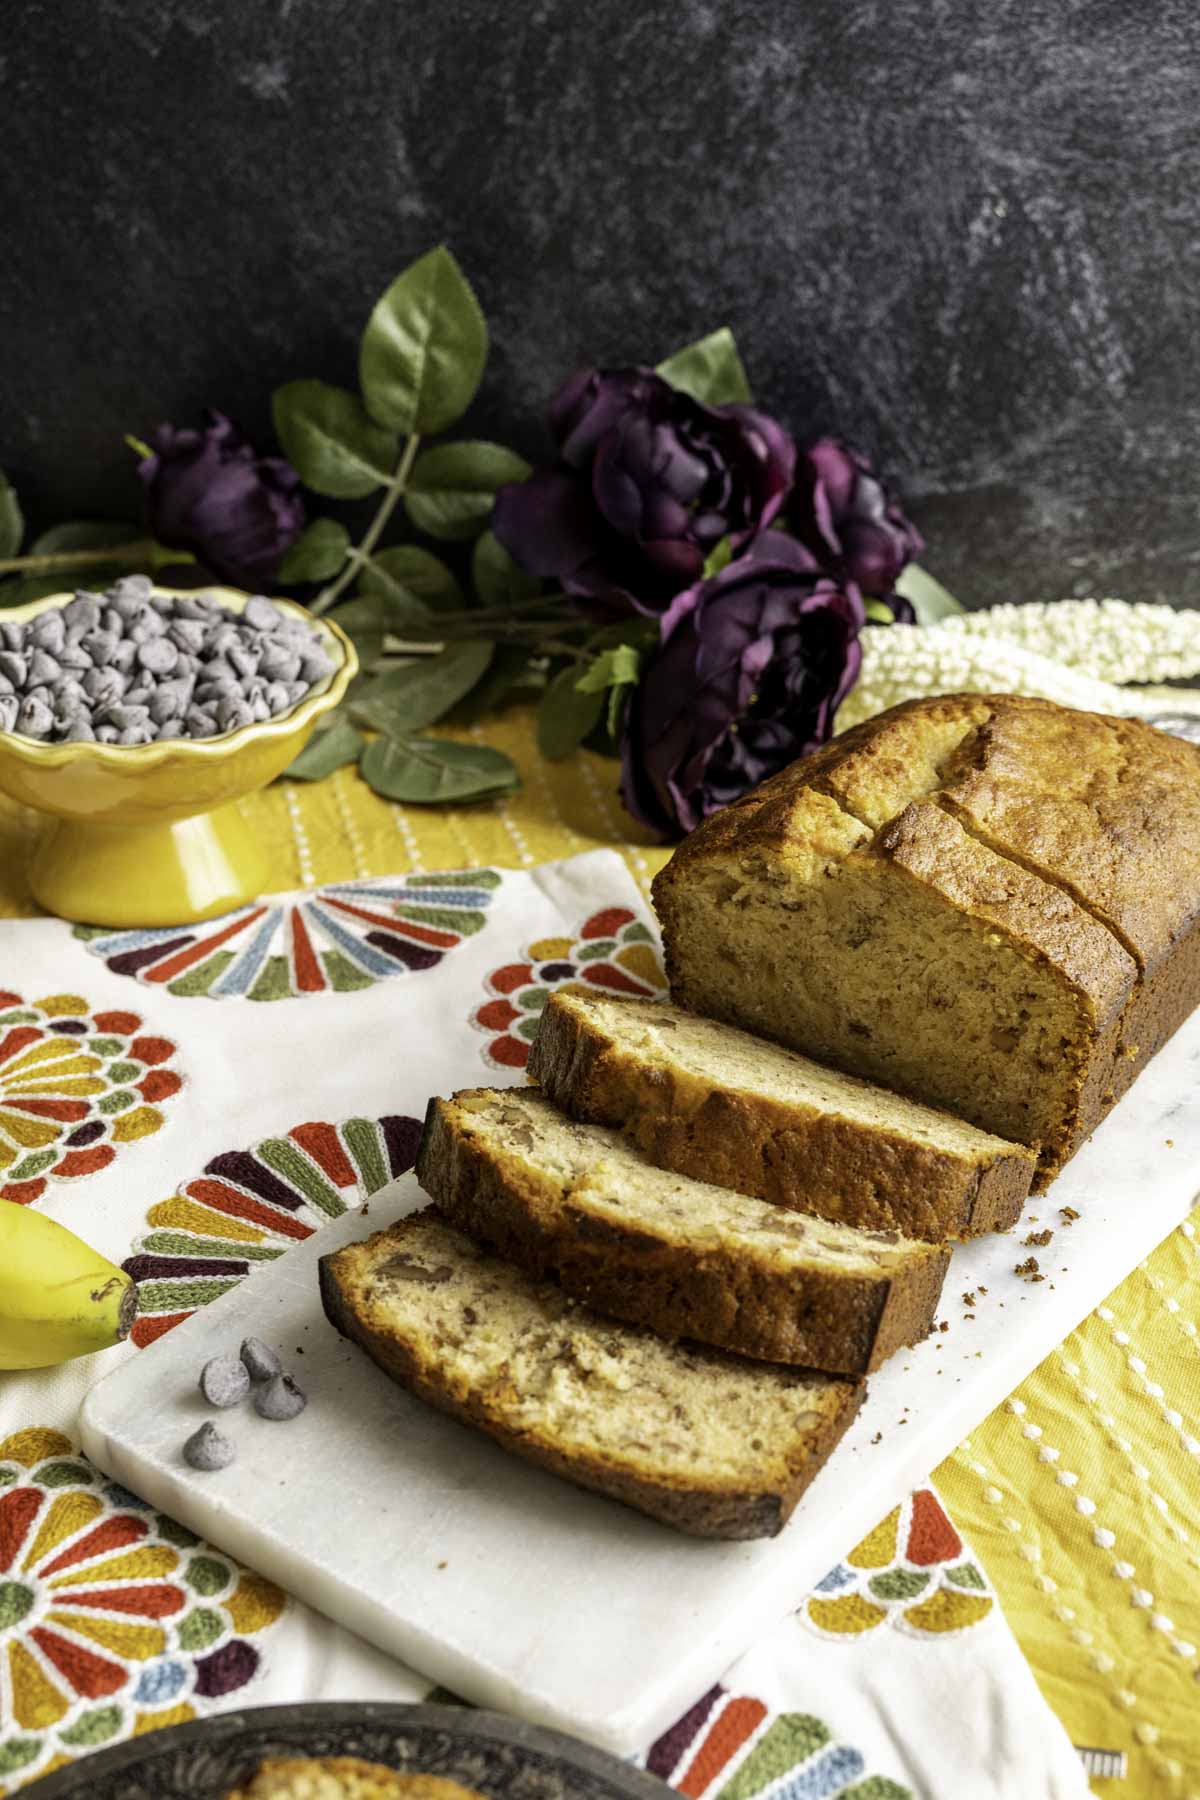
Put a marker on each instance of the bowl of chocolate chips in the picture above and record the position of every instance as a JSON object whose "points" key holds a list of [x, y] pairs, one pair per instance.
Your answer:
{"points": [[136, 720]]}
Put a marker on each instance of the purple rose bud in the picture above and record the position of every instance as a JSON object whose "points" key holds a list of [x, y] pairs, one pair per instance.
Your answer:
{"points": [[210, 492], [845, 515], [648, 483], [749, 674]]}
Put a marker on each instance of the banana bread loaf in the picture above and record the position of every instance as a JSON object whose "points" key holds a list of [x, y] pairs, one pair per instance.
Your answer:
{"points": [[652, 1248], [343, 1778], [702, 1441], [710, 1101], [989, 903]]}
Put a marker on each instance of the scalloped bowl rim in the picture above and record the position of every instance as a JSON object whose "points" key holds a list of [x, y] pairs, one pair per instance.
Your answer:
{"points": [[225, 744]]}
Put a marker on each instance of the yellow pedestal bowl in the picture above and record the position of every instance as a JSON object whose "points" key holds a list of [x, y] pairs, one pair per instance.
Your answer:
{"points": [[151, 834]]}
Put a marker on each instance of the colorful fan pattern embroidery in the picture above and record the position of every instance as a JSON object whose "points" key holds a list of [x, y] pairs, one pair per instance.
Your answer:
{"points": [[113, 1619], [911, 1572], [74, 1087], [613, 950], [334, 939], [249, 1206], [731, 1747]]}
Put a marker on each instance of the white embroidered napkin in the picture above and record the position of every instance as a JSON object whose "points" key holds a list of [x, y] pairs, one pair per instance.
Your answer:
{"points": [[195, 1101]]}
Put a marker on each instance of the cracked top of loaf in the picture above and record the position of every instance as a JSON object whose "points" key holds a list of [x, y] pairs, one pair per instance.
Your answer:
{"points": [[1107, 810]]}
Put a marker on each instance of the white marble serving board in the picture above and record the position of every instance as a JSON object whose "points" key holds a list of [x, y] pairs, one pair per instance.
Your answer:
{"points": [[523, 1593]]}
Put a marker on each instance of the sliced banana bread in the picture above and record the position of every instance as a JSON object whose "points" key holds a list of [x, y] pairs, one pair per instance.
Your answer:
{"points": [[705, 1442], [343, 1778], [708, 1100], [990, 903], [654, 1248]]}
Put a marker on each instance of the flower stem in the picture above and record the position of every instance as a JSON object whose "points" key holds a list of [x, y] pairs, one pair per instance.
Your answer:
{"points": [[362, 552], [136, 550]]}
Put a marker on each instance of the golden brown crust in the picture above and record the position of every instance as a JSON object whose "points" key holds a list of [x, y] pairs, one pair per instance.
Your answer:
{"points": [[700, 1512], [369, 1778], [874, 1178], [1104, 813], [822, 1316]]}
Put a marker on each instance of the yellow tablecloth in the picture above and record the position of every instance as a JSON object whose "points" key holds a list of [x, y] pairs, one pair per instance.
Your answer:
{"points": [[1081, 1493]]}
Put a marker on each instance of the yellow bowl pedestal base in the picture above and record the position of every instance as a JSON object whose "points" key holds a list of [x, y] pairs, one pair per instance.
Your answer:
{"points": [[164, 873]]}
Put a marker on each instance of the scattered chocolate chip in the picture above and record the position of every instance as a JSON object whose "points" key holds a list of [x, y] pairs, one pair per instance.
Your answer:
{"points": [[279, 1399], [260, 1361], [224, 1382], [208, 1449]]}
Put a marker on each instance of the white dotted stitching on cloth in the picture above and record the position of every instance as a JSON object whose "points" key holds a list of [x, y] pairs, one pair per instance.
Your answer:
{"points": [[453, 818], [343, 780], [1137, 1367], [1099, 1661], [605, 806], [1141, 1474], [524, 854], [408, 838], [1103, 1537], [304, 861], [541, 776]]}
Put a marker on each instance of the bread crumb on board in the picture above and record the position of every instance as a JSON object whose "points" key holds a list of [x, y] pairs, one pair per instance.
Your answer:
{"points": [[1039, 1239], [1029, 1270]]}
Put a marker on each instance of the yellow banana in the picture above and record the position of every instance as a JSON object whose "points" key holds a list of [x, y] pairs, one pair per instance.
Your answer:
{"points": [[58, 1297]]}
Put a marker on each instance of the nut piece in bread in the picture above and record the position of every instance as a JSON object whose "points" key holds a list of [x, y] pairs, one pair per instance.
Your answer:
{"points": [[682, 1257], [989, 903], [708, 1100], [705, 1442]]}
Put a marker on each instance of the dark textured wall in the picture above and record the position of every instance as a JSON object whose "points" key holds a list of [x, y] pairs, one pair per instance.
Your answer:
{"points": [[964, 232]]}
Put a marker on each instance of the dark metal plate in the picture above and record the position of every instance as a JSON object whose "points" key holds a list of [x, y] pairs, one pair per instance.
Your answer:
{"points": [[501, 1758]]}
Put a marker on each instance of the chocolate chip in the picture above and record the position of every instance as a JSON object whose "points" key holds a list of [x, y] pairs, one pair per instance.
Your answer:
{"points": [[224, 1381], [262, 1363], [208, 1450], [278, 1399]]}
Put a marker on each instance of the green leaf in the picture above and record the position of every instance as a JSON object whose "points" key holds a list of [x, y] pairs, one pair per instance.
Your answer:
{"points": [[931, 601], [12, 525], [90, 534], [452, 488], [719, 558], [424, 347], [499, 581], [435, 771], [567, 714], [317, 554], [329, 440], [328, 751], [879, 612], [710, 370], [618, 699], [617, 667], [507, 671], [408, 698], [407, 573]]}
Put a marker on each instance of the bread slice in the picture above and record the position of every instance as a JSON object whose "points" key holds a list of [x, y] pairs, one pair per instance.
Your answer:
{"points": [[987, 902], [343, 1778], [705, 1442], [710, 1101], [689, 1260]]}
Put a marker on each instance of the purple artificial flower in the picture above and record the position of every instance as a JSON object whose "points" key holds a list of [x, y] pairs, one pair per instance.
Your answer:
{"points": [[210, 492], [648, 483], [842, 511], [751, 668]]}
